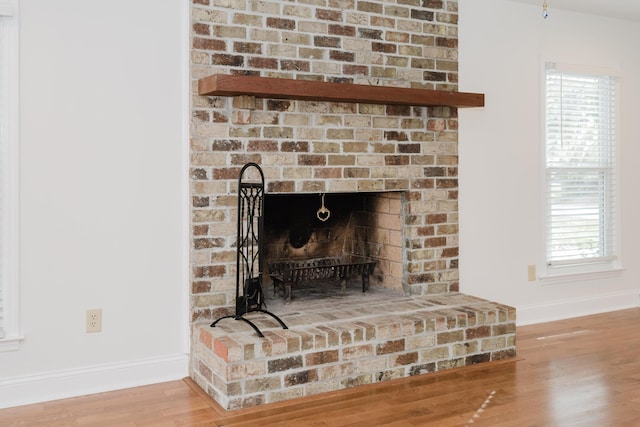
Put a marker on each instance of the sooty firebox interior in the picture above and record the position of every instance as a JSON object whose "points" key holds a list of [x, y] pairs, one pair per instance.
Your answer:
{"points": [[302, 227]]}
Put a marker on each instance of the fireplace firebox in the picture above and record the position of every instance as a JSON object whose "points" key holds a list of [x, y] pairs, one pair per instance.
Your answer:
{"points": [[334, 236]]}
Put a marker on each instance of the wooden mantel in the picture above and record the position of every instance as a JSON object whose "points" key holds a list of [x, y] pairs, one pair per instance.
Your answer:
{"points": [[312, 90]]}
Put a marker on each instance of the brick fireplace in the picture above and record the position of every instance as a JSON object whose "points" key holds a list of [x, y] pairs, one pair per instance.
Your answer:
{"points": [[400, 158]]}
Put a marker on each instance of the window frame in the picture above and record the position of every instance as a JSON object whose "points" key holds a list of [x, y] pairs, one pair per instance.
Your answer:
{"points": [[9, 218], [604, 267]]}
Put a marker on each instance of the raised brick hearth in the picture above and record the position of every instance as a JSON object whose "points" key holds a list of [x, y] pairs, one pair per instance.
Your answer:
{"points": [[348, 340]]}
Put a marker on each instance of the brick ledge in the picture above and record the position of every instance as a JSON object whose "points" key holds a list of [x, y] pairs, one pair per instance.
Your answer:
{"points": [[337, 346]]}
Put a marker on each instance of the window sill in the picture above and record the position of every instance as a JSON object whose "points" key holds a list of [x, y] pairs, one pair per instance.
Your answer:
{"points": [[10, 344], [557, 279]]}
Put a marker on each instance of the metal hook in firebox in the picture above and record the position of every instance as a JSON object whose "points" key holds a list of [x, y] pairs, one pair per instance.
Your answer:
{"points": [[323, 213]]}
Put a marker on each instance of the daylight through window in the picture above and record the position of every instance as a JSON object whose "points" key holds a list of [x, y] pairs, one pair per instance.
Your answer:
{"points": [[580, 160]]}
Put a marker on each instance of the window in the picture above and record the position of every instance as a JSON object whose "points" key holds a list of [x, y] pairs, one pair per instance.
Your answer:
{"points": [[581, 169], [8, 174]]}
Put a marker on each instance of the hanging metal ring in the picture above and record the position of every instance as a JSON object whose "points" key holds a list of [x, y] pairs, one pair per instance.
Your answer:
{"points": [[323, 213]]}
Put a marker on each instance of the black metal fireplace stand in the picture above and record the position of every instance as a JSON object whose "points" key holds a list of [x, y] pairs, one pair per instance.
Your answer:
{"points": [[249, 296]]}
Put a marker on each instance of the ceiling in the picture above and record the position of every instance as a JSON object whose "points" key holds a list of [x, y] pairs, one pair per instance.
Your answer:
{"points": [[621, 9]]}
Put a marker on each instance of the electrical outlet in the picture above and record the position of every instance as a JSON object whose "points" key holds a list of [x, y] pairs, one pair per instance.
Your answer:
{"points": [[94, 320], [531, 272]]}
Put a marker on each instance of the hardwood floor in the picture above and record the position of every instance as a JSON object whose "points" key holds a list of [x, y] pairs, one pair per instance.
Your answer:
{"points": [[577, 372]]}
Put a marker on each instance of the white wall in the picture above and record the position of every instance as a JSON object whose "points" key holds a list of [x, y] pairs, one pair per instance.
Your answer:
{"points": [[103, 197], [502, 44]]}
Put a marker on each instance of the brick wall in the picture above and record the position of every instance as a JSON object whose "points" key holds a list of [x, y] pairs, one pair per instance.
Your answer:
{"points": [[306, 146]]}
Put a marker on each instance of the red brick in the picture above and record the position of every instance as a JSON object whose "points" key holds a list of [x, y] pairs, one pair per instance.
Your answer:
{"points": [[243, 159], [243, 47], [396, 160], [446, 183], [206, 338], [278, 105], [312, 160], [209, 271], [226, 59], [281, 186], [327, 173], [262, 145], [283, 24], [205, 371], [446, 42], [423, 183], [202, 29], [384, 47], [200, 287], [220, 349], [409, 148], [302, 377], [407, 358], [292, 65], [209, 44], [342, 30], [226, 173], [323, 41], [284, 364], [200, 230], [263, 63], [479, 332], [338, 55], [208, 243], [503, 329], [450, 252], [322, 357], [299, 146], [449, 337], [366, 33], [422, 15], [199, 202], [329, 15], [226, 145], [394, 346], [434, 76], [355, 69], [356, 352], [395, 136]]}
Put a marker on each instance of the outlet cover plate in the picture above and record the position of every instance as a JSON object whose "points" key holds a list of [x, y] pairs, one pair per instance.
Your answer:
{"points": [[94, 320], [531, 272]]}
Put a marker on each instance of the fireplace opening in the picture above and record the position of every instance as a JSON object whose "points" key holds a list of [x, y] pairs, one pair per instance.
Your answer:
{"points": [[342, 242]]}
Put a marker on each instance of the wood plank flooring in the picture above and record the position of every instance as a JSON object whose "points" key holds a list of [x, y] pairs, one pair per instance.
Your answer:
{"points": [[578, 372]]}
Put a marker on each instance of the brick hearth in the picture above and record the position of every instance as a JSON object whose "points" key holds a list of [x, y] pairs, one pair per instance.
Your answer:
{"points": [[346, 341]]}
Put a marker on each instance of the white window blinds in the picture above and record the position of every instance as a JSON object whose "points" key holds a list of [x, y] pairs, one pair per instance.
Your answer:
{"points": [[580, 161]]}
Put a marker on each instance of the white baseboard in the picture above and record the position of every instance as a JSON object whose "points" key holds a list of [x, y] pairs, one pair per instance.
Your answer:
{"points": [[576, 307], [93, 379]]}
